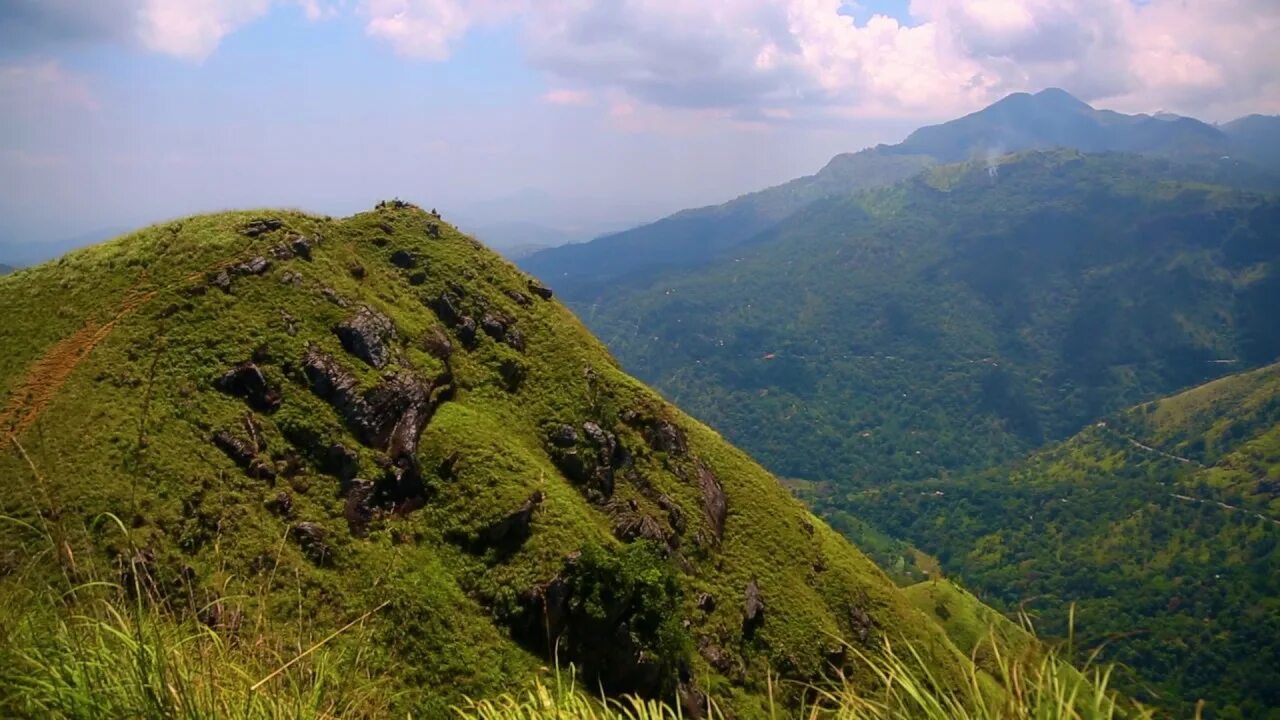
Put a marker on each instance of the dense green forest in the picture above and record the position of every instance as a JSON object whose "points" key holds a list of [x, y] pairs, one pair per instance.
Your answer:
{"points": [[1161, 524], [962, 317]]}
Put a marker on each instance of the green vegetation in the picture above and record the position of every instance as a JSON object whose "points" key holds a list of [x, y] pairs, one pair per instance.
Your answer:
{"points": [[1161, 525], [958, 320], [304, 421], [1241, 153]]}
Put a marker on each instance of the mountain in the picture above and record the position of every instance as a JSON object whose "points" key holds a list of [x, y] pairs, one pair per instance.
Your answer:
{"points": [[1048, 119], [1161, 524], [1052, 118], [6, 269], [692, 237], [309, 421], [1255, 138], [961, 318]]}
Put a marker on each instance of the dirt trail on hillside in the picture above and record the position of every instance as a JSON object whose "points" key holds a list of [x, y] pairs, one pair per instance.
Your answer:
{"points": [[29, 399]]}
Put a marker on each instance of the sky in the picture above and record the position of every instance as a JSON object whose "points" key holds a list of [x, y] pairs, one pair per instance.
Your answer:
{"points": [[119, 113]]}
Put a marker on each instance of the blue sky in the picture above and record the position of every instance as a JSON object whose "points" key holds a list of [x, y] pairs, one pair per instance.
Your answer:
{"points": [[564, 112]]}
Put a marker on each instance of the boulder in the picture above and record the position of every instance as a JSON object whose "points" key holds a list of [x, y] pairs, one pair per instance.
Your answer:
{"points": [[301, 247], [519, 297], [281, 504], [540, 290], [222, 281], [261, 226], [368, 335], [311, 538], [246, 381], [404, 259], [253, 266]]}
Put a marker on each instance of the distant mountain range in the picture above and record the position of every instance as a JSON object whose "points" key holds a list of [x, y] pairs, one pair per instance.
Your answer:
{"points": [[1048, 119]]}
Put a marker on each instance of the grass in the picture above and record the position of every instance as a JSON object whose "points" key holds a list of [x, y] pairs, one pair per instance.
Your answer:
{"points": [[92, 648], [97, 648]]}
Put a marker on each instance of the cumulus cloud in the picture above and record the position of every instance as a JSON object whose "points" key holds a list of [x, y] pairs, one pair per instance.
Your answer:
{"points": [[186, 29], [426, 28], [805, 56], [780, 59]]}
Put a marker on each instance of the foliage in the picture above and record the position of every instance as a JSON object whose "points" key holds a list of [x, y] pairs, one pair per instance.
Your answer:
{"points": [[1160, 524], [958, 320], [114, 399]]}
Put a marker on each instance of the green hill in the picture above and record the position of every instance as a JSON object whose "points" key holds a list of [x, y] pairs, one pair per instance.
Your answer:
{"points": [[1161, 524], [961, 317], [311, 421]]}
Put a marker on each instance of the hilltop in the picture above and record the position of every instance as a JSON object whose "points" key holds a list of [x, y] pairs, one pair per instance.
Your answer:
{"points": [[310, 420], [1161, 524]]}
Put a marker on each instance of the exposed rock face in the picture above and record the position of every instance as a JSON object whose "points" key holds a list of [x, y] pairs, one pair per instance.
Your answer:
{"points": [[519, 297], [437, 343], [247, 381], [592, 463], [261, 226], [389, 417], [359, 507], [714, 503], [368, 335], [311, 538], [752, 609], [631, 524], [342, 462], [244, 454]]}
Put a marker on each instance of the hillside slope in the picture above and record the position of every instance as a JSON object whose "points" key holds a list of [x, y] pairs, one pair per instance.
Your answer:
{"points": [[1242, 153], [1161, 524], [312, 419], [959, 319]]}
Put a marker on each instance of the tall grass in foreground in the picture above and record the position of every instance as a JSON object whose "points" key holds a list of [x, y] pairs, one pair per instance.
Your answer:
{"points": [[108, 648], [98, 648], [1030, 688]]}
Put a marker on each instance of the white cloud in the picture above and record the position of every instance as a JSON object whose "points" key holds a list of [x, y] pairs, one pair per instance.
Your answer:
{"points": [[1203, 57], [426, 28]]}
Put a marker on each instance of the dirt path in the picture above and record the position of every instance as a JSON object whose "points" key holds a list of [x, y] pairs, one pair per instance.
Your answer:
{"points": [[47, 375], [1224, 506]]}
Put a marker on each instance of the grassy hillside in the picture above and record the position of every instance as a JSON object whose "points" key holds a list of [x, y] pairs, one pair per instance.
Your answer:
{"points": [[1162, 525], [301, 422], [959, 318]]}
